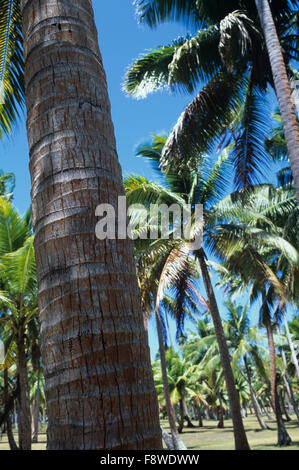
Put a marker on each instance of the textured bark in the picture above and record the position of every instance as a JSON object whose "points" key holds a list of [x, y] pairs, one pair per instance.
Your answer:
{"points": [[283, 436], [24, 414], [99, 385], [241, 442], [282, 87], [177, 443]]}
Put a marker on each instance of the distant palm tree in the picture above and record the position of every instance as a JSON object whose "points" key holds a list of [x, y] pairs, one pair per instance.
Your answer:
{"points": [[244, 342], [179, 377], [261, 251], [203, 184], [20, 301]]}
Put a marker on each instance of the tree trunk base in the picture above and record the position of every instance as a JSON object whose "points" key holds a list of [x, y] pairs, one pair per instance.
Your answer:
{"points": [[284, 439], [173, 442]]}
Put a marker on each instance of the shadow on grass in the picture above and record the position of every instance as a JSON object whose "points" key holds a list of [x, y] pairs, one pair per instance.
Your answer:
{"points": [[294, 444]]}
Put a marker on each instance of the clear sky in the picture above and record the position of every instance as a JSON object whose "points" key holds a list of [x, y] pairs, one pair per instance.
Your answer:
{"points": [[121, 40]]}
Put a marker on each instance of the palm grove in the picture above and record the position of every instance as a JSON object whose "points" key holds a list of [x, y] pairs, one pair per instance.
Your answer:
{"points": [[73, 313]]}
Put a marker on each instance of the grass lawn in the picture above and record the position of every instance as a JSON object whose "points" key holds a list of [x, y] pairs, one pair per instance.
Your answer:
{"points": [[211, 438]]}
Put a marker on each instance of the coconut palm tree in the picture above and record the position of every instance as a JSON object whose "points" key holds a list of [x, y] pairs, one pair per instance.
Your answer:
{"points": [[261, 251], [282, 86], [88, 293], [20, 301], [202, 186], [163, 268], [201, 351], [179, 377], [226, 54], [82, 125], [244, 340]]}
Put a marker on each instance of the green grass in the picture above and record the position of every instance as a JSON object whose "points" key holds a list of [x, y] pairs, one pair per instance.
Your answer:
{"points": [[211, 438]]}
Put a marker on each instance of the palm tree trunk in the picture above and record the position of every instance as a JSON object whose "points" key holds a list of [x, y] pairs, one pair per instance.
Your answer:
{"points": [[36, 413], [241, 442], [199, 416], [282, 86], [267, 413], [285, 375], [283, 436], [98, 377], [182, 418], [220, 413], [283, 407], [177, 444], [291, 344], [186, 413], [255, 404], [24, 414], [10, 436]]}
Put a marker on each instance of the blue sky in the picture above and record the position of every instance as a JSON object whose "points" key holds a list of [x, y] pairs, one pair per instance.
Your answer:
{"points": [[121, 40]]}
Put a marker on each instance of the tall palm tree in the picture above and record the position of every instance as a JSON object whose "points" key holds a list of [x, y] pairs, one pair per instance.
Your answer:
{"points": [[88, 294], [282, 86], [229, 57], [161, 267], [20, 300], [244, 340], [261, 252], [202, 186]]}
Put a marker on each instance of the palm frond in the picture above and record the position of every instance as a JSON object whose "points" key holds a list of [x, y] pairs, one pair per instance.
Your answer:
{"points": [[150, 72], [153, 12], [11, 64], [203, 120]]}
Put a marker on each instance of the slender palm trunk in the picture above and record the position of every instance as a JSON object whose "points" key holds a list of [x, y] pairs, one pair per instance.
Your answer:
{"points": [[10, 436], [220, 413], [177, 444], [255, 404], [241, 442], [283, 436], [267, 413], [99, 384], [24, 414], [283, 406], [291, 344], [285, 375], [186, 413], [36, 413], [182, 418], [282, 86], [199, 416]]}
